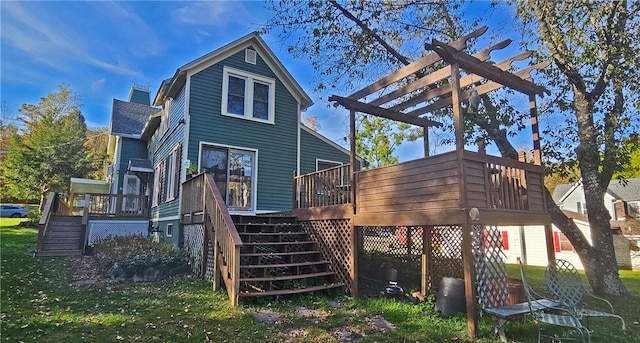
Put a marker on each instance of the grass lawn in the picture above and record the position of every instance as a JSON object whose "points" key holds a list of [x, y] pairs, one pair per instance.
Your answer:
{"points": [[38, 304]]}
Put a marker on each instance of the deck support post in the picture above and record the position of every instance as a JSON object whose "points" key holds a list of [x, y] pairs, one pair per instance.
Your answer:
{"points": [[355, 239], [352, 157], [548, 236], [469, 280], [426, 261]]}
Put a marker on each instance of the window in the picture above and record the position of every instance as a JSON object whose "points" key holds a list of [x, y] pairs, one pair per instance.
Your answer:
{"points": [[633, 209], [157, 184], [169, 230], [248, 96], [322, 164], [581, 208], [164, 119], [172, 174], [561, 242], [233, 173]]}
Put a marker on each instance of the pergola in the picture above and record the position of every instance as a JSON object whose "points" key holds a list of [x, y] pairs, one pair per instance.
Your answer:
{"points": [[411, 93]]}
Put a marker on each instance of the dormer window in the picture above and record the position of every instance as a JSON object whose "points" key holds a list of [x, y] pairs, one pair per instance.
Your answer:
{"points": [[248, 96]]}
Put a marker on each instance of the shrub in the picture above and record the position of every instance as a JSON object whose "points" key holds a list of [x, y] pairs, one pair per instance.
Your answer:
{"points": [[136, 254]]}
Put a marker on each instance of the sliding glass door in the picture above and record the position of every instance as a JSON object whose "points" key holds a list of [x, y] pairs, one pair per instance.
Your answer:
{"points": [[233, 172]]}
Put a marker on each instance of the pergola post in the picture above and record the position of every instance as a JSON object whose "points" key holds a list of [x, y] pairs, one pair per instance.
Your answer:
{"points": [[352, 157], [469, 280], [535, 131]]}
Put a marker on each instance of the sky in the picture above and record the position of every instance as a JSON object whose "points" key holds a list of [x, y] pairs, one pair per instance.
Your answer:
{"points": [[100, 49]]}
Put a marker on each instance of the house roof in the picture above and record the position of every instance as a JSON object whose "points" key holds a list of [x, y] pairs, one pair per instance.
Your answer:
{"points": [[128, 118], [561, 191], [625, 190], [170, 87]]}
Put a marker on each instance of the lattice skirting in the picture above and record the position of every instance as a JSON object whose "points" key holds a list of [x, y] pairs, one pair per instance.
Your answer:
{"points": [[100, 229], [491, 272], [193, 244], [334, 241]]}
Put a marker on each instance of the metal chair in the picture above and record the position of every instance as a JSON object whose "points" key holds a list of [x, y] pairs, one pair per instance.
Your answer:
{"points": [[565, 285], [555, 318]]}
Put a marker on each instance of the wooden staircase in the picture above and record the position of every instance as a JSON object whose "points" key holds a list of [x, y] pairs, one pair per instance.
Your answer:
{"points": [[278, 258], [63, 237]]}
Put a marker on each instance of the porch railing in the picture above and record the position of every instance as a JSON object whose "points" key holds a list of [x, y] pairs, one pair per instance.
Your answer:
{"points": [[118, 205], [202, 202], [49, 209], [323, 188]]}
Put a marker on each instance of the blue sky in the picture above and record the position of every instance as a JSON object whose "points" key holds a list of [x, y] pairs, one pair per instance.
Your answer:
{"points": [[101, 48]]}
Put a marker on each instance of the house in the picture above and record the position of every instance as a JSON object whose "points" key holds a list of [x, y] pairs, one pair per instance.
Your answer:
{"points": [[623, 199], [234, 112]]}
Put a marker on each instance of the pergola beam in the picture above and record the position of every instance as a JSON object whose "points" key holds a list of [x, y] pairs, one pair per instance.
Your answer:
{"points": [[482, 89], [434, 76], [414, 67], [382, 112], [473, 65]]}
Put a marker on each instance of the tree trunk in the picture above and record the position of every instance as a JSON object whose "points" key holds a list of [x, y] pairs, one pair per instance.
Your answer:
{"points": [[600, 264]]}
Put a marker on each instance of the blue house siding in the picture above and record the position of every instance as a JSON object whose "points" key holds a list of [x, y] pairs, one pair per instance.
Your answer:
{"points": [[313, 148], [130, 148], [276, 143], [160, 146]]}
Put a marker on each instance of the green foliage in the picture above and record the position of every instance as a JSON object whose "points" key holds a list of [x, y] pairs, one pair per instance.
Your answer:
{"points": [[137, 253], [49, 149], [39, 304], [377, 138]]}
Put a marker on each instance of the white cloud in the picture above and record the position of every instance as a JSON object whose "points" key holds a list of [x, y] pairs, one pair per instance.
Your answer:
{"points": [[98, 84], [50, 40]]}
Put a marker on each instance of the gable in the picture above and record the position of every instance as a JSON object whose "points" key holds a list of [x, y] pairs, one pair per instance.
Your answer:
{"points": [[263, 52]]}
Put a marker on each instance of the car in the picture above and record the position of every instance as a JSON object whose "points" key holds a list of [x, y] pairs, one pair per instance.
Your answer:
{"points": [[13, 211]]}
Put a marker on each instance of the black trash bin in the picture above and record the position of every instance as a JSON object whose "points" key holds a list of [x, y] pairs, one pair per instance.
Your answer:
{"points": [[451, 297]]}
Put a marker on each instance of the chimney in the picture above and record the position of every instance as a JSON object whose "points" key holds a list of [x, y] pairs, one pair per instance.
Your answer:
{"points": [[139, 94]]}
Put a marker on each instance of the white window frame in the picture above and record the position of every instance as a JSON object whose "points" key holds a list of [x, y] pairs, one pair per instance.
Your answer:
{"points": [[157, 184], [165, 117], [319, 160], [248, 94], [169, 230], [172, 183]]}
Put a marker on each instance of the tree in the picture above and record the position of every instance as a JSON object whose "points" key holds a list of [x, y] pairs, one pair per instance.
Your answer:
{"points": [[347, 45], [311, 122], [97, 140], [50, 149], [594, 47], [366, 39], [7, 130]]}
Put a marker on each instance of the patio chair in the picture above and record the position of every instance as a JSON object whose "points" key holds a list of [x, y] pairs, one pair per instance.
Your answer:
{"points": [[556, 318], [565, 285]]}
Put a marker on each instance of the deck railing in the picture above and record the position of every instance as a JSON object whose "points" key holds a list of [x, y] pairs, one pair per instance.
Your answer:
{"points": [[48, 210], [323, 188], [202, 202], [429, 184], [118, 205]]}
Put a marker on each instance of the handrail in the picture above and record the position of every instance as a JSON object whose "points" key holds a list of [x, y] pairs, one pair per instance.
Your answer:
{"points": [[84, 224], [226, 240], [324, 187], [44, 218]]}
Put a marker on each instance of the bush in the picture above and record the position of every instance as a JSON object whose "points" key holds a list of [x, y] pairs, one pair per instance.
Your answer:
{"points": [[135, 256]]}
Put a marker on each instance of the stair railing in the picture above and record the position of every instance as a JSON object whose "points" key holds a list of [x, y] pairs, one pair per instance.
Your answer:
{"points": [[47, 211], [221, 231]]}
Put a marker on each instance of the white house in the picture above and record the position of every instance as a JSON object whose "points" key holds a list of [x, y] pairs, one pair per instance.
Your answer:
{"points": [[528, 244]]}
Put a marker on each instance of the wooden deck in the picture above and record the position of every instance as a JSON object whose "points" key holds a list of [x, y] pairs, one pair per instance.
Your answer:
{"points": [[430, 190]]}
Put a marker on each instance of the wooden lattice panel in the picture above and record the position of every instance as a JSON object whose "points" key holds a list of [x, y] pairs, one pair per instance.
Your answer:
{"points": [[193, 242], [491, 273], [446, 254], [334, 241], [397, 241]]}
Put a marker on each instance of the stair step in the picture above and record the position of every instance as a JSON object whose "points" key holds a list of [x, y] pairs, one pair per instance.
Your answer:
{"points": [[308, 252], [61, 240], [291, 291], [286, 277], [64, 246], [281, 265], [59, 253], [242, 220], [276, 243]]}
